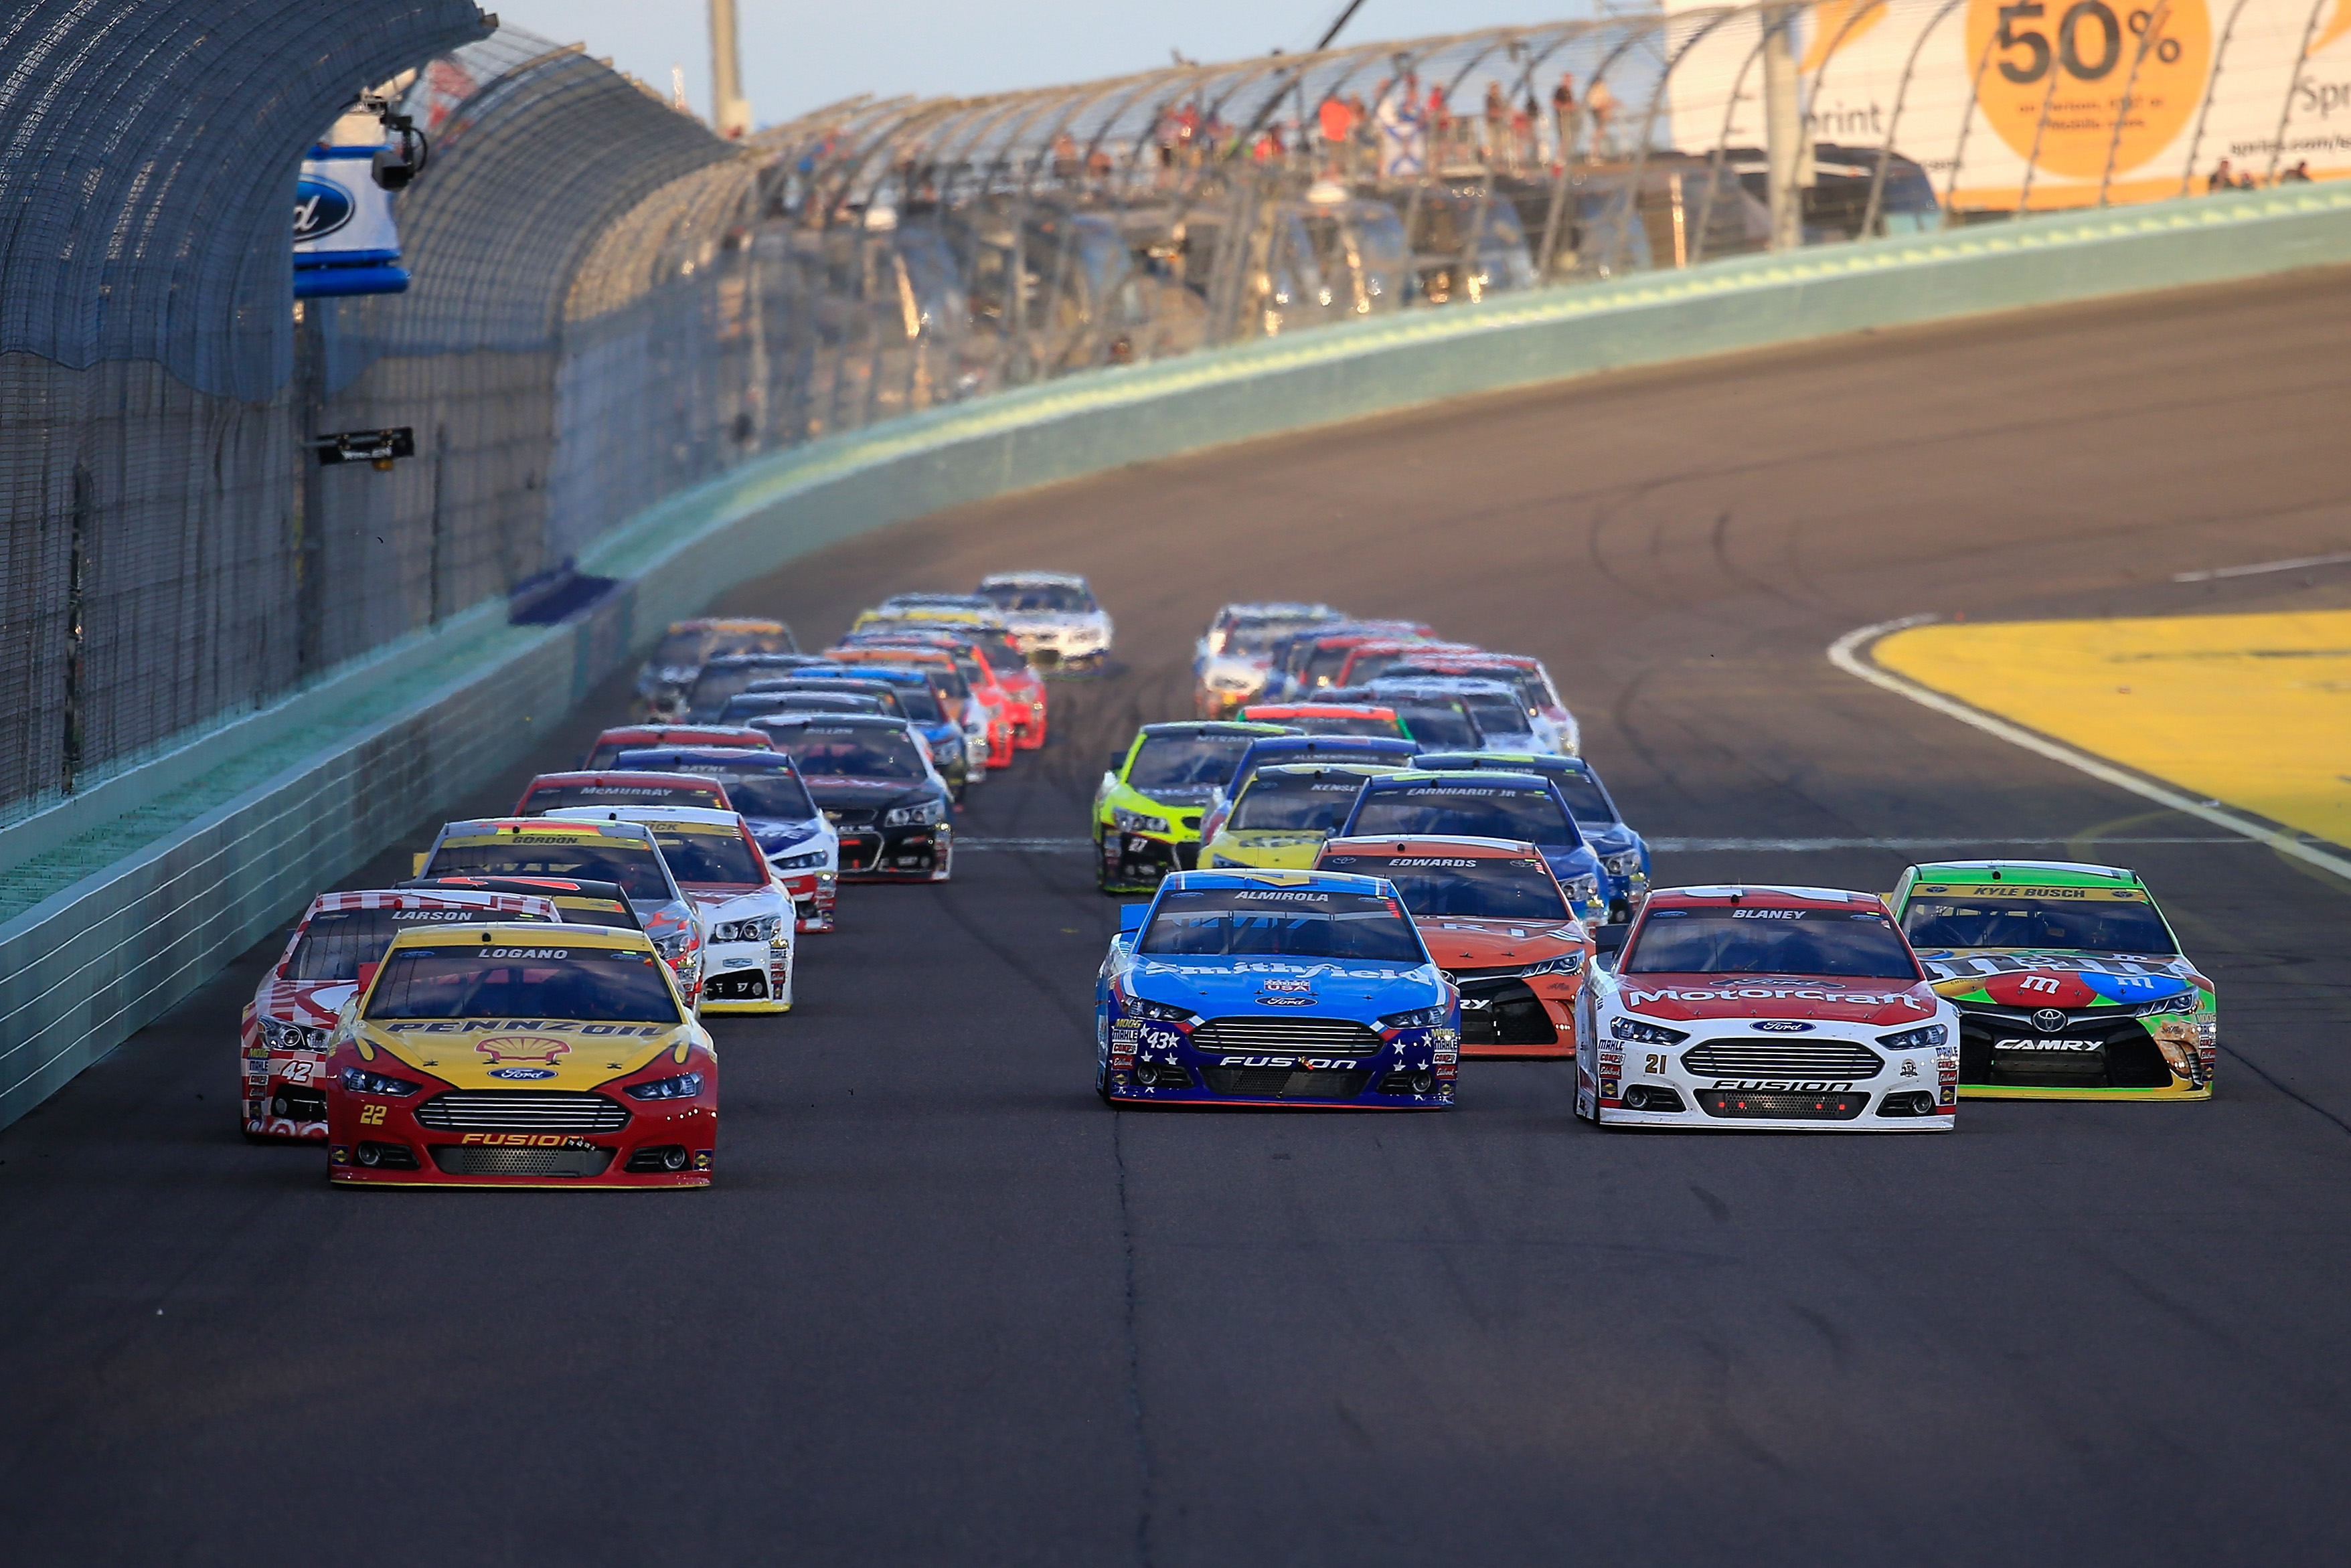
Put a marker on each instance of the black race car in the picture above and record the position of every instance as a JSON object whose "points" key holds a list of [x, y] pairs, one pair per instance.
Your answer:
{"points": [[874, 778]]}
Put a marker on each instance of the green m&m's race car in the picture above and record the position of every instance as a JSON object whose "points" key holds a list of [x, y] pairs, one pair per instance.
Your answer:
{"points": [[2069, 982]]}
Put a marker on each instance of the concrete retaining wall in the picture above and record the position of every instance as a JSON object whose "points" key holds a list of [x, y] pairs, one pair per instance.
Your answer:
{"points": [[110, 951]]}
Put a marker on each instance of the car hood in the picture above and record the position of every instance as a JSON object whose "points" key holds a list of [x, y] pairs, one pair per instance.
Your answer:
{"points": [[1273, 838], [1608, 838], [1461, 941], [665, 918], [832, 793], [2008, 977], [1877, 1004], [521, 1053], [1222, 987], [715, 907], [1180, 796], [779, 833]]}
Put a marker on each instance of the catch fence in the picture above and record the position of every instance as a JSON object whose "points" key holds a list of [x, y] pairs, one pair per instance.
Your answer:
{"points": [[611, 304]]}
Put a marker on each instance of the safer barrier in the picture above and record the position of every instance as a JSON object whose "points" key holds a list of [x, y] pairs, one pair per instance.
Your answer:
{"points": [[115, 946]]}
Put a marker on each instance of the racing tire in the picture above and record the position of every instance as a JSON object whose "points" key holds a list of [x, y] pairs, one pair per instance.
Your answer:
{"points": [[946, 872], [1105, 867]]}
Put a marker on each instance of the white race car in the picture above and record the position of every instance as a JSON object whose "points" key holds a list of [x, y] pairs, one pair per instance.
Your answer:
{"points": [[740, 902], [1052, 617], [1762, 1008], [1230, 661]]}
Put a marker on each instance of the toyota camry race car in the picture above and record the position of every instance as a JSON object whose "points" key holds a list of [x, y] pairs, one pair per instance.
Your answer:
{"points": [[335, 947], [1623, 854], [1284, 814], [1767, 1008], [1052, 617], [1147, 808], [1273, 988], [874, 779], [521, 1057], [617, 852], [1496, 921], [747, 918], [799, 841], [2068, 981]]}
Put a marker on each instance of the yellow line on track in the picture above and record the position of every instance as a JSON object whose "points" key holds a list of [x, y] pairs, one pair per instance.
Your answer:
{"points": [[2249, 710]]}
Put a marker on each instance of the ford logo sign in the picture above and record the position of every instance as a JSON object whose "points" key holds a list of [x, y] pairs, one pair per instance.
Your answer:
{"points": [[520, 1073], [321, 207], [1783, 1026]]}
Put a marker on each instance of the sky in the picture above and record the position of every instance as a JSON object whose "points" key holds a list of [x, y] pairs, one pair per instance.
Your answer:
{"points": [[798, 55]]}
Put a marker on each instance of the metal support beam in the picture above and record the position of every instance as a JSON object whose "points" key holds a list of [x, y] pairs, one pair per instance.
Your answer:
{"points": [[731, 112], [1788, 151]]}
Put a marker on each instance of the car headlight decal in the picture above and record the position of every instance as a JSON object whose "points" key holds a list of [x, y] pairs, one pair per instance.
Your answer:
{"points": [[684, 1087], [1923, 1038], [1127, 821], [1643, 1033]]}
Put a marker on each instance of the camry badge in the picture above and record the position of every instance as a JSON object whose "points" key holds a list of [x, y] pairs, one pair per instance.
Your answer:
{"points": [[2049, 1020]]}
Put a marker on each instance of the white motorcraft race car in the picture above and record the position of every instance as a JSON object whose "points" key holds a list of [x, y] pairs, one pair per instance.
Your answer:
{"points": [[1052, 617], [1767, 1008]]}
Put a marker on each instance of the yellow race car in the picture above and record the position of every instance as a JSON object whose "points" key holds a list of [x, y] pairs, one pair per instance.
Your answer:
{"points": [[1285, 813]]}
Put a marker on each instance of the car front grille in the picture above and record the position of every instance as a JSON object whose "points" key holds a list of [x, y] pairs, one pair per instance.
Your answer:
{"points": [[1286, 1083], [1296, 1036], [737, 985], [1780, 1106], [859, 851], [1503, 1013], [2094, 1051], [522, 1110], [465, 1160], [1745, 1058], [853, 816]]}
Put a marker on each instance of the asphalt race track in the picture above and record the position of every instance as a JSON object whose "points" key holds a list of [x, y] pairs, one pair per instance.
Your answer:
{"points": [[944, 1307]]}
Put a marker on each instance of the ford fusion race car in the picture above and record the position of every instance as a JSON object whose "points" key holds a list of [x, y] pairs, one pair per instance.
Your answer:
{"points": [[636, 737], [2068, 981], [688, 645], [799, 841], [1273, 988], [1284, 814], [617, 852], [520, 1055], [1767, 1007], [1052, 617], [874, 778], [1147, 808], [1514, 807], [1229, 664], [1623, 854], [335, 947], [1496, 921], [747, 918], [1376, 750]]}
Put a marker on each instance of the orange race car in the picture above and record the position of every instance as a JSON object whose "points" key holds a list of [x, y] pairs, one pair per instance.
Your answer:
{"points": [[1496, 921]]}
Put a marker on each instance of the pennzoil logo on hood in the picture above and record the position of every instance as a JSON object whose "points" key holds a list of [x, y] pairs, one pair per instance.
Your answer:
{"points": [[522, 1048]]}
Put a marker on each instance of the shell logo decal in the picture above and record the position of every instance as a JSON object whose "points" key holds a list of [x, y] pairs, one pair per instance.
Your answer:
{"points": [[522, 1048]]}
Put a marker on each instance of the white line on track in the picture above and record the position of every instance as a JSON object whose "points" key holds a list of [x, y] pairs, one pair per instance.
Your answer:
{"points": [[1031, 845], [1849, 653], [1673, 846], [2258, 567]]}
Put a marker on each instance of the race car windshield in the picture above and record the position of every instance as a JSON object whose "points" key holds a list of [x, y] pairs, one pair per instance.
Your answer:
{"points": [[726, 642], [635, 865], [1348, 724], [1496, 713], [2117, 926], [1299, 802], [1474, 887], [711, 688], [1370, 667], [1174, 762], [1250, 638], [595, 985], [1846, 943], [679, 648], [759, 704], [1041, 598], [337, 942], [1442, 725], [1000, 652], [710, 856], [1324, 666], [844, 753], [1286, 922], [1465, 810], [1584, 797], [544, 798], [919, 703], [771, 794]]}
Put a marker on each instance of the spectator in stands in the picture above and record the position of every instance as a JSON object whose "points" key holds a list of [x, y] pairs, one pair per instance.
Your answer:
{"points": [[1600, 103], [1498, 122], [2222, 179], [1563, 113], [2299, 175]]}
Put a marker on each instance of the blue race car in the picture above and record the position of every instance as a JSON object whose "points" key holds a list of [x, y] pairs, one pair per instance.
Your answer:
{"points": [[801, 844], [1524, 805], [1624, 855], [1258, 988]]}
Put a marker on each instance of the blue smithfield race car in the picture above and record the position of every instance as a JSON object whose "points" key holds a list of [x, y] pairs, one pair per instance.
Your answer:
{"points": [[1256, 988]]}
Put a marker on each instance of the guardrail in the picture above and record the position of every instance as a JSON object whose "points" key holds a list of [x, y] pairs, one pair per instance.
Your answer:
{"points": [[115, 939]]}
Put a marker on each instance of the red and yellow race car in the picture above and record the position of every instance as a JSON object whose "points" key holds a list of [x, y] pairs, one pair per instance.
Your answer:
{"points": [[521, 1056], [1498, 924], [282, 1039]]}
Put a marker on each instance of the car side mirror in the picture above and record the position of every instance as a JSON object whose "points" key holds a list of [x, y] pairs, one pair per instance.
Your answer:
{"points": [[1131, 917], [1117, 760], [367, 974], [416, 863], [1609, 940]]}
